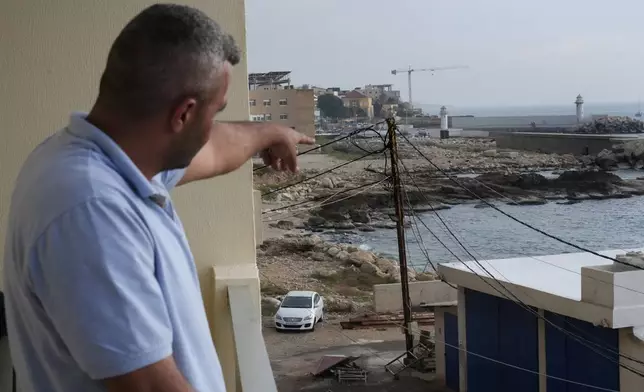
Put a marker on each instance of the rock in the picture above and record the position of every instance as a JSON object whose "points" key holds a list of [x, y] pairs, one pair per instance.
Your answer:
{"points": [[361, 257], [325, 274], [385, 225], [344, 226], [509, 154], [360, 216], [489, 153], [606, 159], [411, 273], [332, 215], [327, 183], [286, 196], [285, 225], [318, 256], [586, 160], [366, 228], [386, 265], [425, 276], [369, 268], [342, 255], [333, 251], [482, 205], [334, 304], [316, 221], [271, 301], [569, 202], [530, 201], [612, 124], [352, 249]]}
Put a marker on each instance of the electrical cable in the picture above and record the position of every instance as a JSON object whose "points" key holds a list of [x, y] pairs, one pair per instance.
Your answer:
{"points": [[318, 198], [516, 300], [458, 183], [322, 173], [347, 136]]}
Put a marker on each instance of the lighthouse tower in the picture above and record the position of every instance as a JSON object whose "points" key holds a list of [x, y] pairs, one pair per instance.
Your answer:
{"points": [[444, 123], [580, 109]]}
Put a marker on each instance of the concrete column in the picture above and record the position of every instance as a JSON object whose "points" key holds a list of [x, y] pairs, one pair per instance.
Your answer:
{"points": [[462, 340], [630, 346], [541, 332], [439, 333]]}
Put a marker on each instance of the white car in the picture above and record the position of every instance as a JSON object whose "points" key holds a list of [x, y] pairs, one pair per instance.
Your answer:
{"points": [[299, 310]]}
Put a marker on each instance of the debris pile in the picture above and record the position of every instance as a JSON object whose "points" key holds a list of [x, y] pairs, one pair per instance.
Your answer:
{"points": [[612, 124]]}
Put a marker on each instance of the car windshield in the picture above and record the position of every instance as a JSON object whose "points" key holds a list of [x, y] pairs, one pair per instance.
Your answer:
{"points": [[296, 302]]}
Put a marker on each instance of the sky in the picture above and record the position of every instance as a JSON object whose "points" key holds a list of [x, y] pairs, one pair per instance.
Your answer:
{"points": [[519, 52]]}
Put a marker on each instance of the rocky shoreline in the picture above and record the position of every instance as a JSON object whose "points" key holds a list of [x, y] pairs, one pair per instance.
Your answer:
{"points": [[373, 209], [345, 274]]}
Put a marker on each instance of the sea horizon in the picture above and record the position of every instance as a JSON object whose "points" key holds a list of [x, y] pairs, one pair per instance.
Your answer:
{"points": [[613, 109]]}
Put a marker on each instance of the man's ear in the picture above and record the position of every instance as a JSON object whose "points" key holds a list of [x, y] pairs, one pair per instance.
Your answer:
{"points": [[183, 113]]}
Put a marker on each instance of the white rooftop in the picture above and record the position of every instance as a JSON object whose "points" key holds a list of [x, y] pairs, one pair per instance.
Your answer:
{"points": [[612, 296]]}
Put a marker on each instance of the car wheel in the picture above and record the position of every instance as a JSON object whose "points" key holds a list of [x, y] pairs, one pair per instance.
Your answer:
{"points": [[321, 318], [313, 326]]}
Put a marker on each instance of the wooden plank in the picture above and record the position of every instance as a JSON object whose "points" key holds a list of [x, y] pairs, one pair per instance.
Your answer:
{"points": [[254, 365]]}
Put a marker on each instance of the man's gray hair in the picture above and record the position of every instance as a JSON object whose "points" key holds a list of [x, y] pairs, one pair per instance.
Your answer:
{"points": [[166, 53]]}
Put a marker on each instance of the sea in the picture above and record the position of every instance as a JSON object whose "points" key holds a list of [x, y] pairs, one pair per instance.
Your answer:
{"points": [[486, 234]]}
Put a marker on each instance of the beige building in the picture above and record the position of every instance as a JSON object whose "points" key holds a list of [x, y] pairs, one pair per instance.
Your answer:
{"points": [[356, 100], [289, 106], [49, 71]]}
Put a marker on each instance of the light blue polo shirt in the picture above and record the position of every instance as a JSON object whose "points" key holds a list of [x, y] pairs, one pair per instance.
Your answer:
{"points": [[99, 278]]}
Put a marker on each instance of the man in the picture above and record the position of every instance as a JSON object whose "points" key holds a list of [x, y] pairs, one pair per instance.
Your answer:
{"points": [[101, 288]]}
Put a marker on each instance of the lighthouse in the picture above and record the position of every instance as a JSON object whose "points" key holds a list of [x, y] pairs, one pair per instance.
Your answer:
{"points": [[579, 103], [444, 123]]}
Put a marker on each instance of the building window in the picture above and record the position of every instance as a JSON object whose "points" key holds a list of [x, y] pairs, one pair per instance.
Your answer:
{"points": [[252, 102], [268, 117], [267, 102], [283, 102], [283, 116]]}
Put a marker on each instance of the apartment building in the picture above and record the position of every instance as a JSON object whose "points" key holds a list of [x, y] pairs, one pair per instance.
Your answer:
{"points": [[272, 98]]}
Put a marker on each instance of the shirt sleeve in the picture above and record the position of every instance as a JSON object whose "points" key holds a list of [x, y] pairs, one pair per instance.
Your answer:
{"points": [[93, 271], [170, 178]]}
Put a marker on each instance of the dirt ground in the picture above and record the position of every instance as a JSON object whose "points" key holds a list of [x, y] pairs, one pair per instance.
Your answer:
{"points": [[295, 355]]}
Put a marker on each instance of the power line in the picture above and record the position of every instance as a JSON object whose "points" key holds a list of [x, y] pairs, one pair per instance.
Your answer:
{"points": [[516, 300], [318, 198], [451, 178], [322, 173], [347, 136], [524, 369]]}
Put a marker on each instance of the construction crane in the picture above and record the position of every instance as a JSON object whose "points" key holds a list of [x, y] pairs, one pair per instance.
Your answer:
{"points": [[410, 70]]}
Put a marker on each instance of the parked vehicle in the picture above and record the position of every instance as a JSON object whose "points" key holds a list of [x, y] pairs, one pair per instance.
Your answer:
{"points": [[300, 310]]}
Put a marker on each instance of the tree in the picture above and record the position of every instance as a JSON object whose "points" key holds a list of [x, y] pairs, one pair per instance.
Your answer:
{"points": [[332, 106], [377, 108], [360, 112], [404, 109]]}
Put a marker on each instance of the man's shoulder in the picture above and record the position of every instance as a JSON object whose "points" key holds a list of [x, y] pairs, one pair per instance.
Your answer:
{"points": [[61, 174]]}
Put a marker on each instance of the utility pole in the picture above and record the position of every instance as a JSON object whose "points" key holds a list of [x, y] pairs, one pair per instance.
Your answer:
{"points": [[400, 231]]}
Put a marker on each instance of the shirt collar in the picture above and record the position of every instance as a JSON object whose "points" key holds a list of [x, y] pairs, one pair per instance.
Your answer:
{"points": [[79, 126]]}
